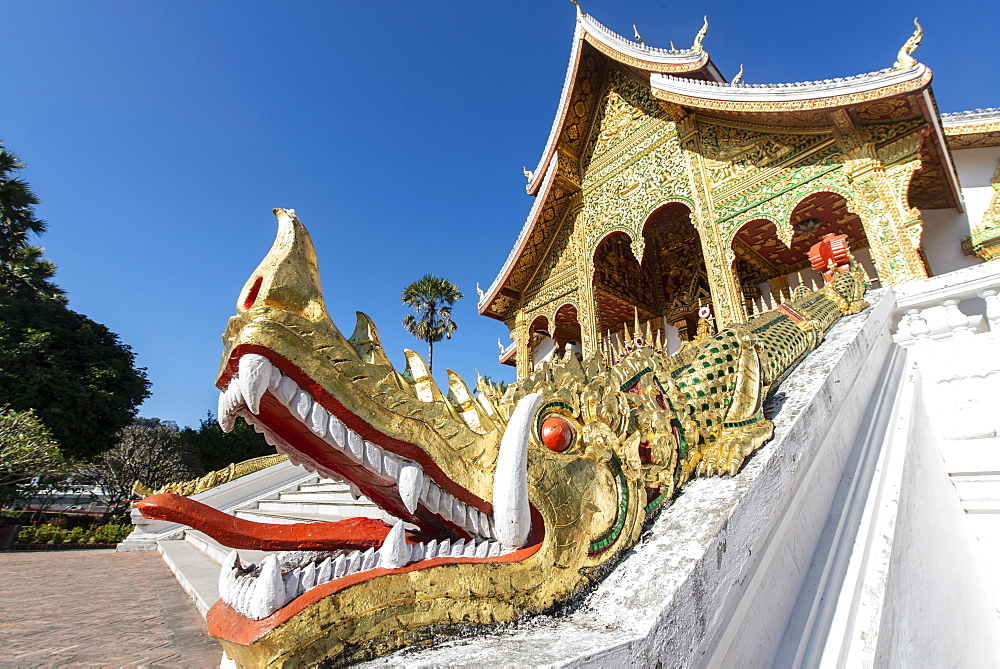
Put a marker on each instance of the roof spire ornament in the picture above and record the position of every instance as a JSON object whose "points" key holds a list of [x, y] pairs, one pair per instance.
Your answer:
{"points": [[905, 59], [579, 12], [697, 47], [739, 75], [528, 174], [638, 37]]}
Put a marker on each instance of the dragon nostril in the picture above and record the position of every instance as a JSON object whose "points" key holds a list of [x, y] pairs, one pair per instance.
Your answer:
{"points": [[557, 433], [252, 294]]}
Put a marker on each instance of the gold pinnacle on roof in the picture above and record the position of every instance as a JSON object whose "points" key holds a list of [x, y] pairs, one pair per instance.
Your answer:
{"points": [[904, 58], [739, 75], [638, 37], [697, 47]]}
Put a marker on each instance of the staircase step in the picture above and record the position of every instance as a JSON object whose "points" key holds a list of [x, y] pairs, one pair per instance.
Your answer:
{"points": [[343, 509], [197, 573], [324, 496], [217, 552], [282, 517], [324, 486]]}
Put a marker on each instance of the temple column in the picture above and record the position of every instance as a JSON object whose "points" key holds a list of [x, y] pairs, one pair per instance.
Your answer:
{"points": [[727, 297], [587, 309], [522, 339], [893, 236]]}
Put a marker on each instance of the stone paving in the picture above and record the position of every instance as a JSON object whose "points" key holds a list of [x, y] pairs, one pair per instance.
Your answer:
{"points": [[97, 608]]}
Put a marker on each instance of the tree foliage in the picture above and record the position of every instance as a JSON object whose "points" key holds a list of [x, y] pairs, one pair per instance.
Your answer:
{"points": [[431, 298], [77, 375], [27, 451], [217, 449], [24, 274], [154, 456]]}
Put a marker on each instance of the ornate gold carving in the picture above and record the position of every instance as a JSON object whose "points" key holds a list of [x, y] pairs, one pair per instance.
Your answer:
{"points": [[213, 479], [904, 58], [986, 235], [700, 37]]}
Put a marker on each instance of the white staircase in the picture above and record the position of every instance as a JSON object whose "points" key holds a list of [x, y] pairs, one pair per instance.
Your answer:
{"points": [[284, 493]]}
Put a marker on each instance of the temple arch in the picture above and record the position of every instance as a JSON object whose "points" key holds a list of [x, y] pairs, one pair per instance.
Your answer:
{"points": [[764, 264], [664, 289], [541, 344]]}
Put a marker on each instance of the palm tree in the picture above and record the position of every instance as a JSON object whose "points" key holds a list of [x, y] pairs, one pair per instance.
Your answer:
{"points": [[17, 201], [27, 276], [431, 298]]}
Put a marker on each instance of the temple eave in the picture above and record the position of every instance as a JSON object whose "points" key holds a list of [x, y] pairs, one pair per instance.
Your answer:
{"points": [[780, 98]]}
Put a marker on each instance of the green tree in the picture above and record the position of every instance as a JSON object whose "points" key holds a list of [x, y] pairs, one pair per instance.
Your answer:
{"points": [[27, 451], [217, 449], [76, 374], [431, 298]]}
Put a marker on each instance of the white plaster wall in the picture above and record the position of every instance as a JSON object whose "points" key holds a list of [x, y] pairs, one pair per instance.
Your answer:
{"points": [[945, 228], [937, 610]]}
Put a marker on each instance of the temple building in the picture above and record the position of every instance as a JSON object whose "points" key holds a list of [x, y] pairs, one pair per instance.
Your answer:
{"points": [[664, 189]]}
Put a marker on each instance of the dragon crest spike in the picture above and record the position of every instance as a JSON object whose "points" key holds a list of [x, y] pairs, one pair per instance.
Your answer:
{"points": [[365, 341], [478, 421], [417, 374]]}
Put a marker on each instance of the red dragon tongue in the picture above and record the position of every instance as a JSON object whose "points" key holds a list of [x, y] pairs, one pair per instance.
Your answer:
{"points": [[233, 532]]}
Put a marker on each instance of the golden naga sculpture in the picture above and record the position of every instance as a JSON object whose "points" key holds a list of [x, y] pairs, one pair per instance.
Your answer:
{"points": [[212, 479], [904, 58], [699, 38], [520, 500]]}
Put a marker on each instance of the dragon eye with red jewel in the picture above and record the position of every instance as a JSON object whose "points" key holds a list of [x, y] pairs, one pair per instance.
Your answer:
{"points": [[557, 434]]}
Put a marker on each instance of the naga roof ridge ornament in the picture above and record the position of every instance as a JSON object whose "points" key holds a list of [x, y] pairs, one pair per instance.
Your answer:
{"points": [[697, 46], [905, 59]]}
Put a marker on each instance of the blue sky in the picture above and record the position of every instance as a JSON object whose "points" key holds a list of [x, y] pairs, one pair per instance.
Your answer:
{"points": [[160, 135]]}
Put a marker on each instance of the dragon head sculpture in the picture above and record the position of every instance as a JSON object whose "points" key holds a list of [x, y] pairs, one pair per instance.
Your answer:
{"points": [[507, 504]]}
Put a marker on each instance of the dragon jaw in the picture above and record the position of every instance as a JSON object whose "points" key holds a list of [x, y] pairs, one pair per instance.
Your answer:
{"points": [[500, 525]]}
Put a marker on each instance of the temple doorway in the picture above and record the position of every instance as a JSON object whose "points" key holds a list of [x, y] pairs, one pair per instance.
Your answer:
{"points": [[664, 291], [765, 266]]}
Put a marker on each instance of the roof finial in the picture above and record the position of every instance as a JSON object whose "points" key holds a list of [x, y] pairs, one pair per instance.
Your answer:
{"points": [[904, 58], [480, 292], [579, 12], [739, 75], [638, 37], [528, 174], [697, 47]]}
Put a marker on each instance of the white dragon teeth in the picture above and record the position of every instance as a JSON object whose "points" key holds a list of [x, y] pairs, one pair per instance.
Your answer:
{"points": [[301, 405], [325, 572], [268, 593], [286, 390], [355, 446], [395, 552], [373, 457], [260, 596], [410, 479], [336, 434], [254, 375], [319, 420]]}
